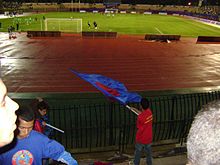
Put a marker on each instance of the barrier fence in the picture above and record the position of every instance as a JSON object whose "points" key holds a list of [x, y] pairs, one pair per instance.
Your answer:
{"points": [[99, 34], [102, 125], [162, 37], [43, 34]]}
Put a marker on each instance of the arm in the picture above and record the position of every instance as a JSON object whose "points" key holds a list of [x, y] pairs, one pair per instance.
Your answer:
{"points": [[47, 130], [66, 158], [37, 126], [56, 151]]}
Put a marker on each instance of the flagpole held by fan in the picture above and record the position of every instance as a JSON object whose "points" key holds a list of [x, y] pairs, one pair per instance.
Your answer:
{"points": [[133, 109]]}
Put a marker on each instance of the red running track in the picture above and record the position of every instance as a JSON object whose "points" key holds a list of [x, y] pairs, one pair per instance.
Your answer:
{"points": [[41, 64]]}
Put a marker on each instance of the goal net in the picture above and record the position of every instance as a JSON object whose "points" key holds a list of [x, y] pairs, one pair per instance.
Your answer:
{"points": [[63, 25]]}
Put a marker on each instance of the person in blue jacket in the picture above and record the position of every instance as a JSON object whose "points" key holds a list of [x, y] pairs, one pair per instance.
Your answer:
{"points": [[30, 146]]}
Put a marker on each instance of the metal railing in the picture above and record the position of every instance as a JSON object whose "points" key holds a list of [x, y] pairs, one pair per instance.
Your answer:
{"points": [[90, 127]]}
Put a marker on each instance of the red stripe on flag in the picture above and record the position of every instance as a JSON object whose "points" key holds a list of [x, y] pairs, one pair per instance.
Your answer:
{"points": [[107, 89]]}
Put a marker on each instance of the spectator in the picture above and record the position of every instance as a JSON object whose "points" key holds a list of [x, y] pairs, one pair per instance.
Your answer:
{"points": [[144, 133], [30, 146], [41, 117], [7, 116], [203, 141]]}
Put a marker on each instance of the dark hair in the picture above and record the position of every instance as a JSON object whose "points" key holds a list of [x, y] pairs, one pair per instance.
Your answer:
{"points": [[25, 113], [42, 105], [145, 103]]}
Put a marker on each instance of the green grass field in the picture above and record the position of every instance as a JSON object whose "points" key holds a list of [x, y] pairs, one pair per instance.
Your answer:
{"points": [[121, 23]]}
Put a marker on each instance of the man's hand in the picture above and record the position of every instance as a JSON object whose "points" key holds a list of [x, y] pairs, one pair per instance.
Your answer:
{"points": [[44, 123]]}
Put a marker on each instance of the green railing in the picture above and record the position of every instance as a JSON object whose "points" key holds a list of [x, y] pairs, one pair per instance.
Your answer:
{"points": [[92, 123]]}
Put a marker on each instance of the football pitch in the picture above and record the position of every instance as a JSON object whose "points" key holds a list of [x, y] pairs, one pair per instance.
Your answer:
{"points": [[134, 24]]}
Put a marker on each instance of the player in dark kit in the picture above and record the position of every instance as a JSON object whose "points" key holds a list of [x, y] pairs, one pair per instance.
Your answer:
{"points": [[95, 25]]}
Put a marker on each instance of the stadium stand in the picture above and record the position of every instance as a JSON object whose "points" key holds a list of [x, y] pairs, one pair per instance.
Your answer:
{"points": [[207, 12], [111, 3]]}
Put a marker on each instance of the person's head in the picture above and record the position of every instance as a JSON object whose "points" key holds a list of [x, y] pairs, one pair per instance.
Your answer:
{"points": [[7, 116], [25, 121], [144, 103], [203, 141], [42, 108]]}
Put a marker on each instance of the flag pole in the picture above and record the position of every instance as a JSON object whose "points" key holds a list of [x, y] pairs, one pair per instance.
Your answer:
{"points": [[54, 128], [130, 108]]}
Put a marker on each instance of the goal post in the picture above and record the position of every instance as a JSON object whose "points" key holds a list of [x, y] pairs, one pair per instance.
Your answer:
{"points": [[63, 24]]}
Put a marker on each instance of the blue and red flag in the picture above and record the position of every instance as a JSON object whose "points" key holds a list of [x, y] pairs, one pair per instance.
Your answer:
{"points": [[109, 87]]}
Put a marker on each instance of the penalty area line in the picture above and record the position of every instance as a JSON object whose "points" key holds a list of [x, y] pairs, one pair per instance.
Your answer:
{"points": [[158, 30]]}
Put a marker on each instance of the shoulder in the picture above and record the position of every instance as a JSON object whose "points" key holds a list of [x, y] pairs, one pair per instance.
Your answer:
{"points": [[42, 139], [37, 121], [147, 112], [36, 134], [141, 115]]}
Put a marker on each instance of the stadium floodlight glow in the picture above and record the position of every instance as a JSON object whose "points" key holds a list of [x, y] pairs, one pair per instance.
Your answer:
{"points": [[63, 24]]}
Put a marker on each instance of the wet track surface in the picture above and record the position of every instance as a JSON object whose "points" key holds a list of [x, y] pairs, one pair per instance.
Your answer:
{"points": [[41, 64]]}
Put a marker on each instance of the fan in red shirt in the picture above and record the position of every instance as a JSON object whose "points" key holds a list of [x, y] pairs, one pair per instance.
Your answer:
{"points": [[144, 132]]}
